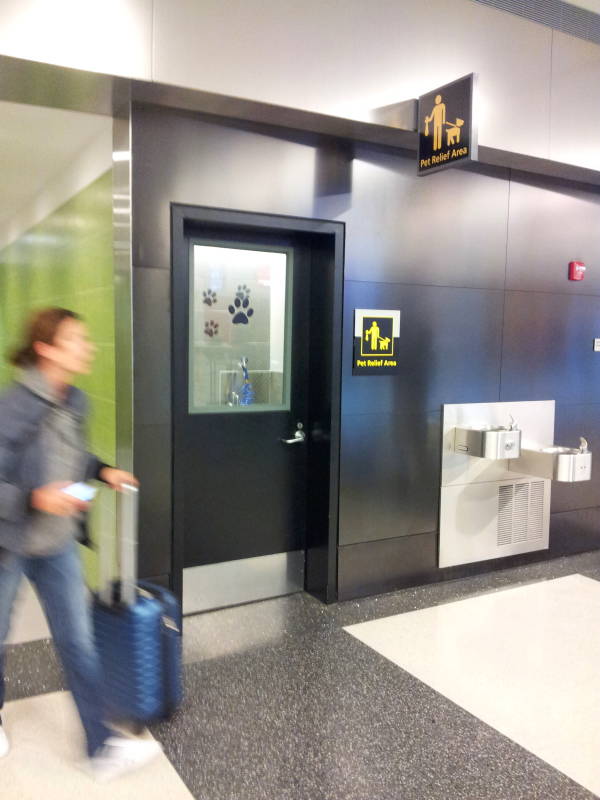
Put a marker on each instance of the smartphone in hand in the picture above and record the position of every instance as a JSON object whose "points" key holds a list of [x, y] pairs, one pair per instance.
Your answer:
{"points": [[81, 491]]}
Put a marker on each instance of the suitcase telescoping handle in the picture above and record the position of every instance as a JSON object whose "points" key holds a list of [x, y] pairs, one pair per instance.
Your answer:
{"points": [[128, 501], [127, 528]]}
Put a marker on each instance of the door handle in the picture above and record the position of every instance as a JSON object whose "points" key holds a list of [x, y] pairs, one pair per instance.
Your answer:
{"points": [[299, 436]]}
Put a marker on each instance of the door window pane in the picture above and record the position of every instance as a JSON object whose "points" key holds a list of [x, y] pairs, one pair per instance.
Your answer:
{"points": [[239, 328]]}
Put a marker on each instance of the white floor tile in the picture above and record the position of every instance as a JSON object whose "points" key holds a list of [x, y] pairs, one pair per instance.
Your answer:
{"points": [[524, 660], [46, 748]]}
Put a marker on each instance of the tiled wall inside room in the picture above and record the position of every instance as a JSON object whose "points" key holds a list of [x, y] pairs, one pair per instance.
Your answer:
{"points": [[67, 260]]}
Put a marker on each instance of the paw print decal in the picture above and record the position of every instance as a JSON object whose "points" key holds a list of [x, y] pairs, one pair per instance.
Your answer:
{"points": [[210, 297], [211, 328], [240, 305]]}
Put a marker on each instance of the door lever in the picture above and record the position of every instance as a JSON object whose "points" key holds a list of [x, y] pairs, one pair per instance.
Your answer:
{"points": [[299, 435]]}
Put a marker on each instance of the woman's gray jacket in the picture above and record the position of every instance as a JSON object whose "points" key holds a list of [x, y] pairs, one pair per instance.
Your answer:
{"points": [[21, 458]]}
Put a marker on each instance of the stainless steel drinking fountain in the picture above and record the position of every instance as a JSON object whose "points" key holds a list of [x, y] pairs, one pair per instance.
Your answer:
{"points": [[564, 464], [489, 441], [496, 479]]}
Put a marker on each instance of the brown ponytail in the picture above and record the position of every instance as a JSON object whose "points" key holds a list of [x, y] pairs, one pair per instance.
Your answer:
{"points": [[40, 327]]}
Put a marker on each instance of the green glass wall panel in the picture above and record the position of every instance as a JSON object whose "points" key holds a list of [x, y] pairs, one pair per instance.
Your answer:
{"points": [[67, 260]]}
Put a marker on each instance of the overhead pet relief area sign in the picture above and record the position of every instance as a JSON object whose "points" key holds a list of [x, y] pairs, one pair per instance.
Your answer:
{"points": [[376, 341], [447, 135]]}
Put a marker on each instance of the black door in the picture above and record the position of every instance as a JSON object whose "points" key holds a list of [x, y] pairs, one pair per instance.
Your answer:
{"points": [[249, 392]]}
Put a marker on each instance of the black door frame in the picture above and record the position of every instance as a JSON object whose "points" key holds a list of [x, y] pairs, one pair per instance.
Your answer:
{"points": [[321, 552]]}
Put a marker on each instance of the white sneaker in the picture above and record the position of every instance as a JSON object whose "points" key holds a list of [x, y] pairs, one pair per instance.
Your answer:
{"points": [[4, 743], [119, 755]]}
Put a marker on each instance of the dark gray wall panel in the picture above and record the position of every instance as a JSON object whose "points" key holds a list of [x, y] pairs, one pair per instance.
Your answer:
{"points": [[152, 465], [436, 248], [550, 225], [548, 352], [575, 531], [449, 348], [375, 567], [181, 159], [389, 476], [446, 229], [571, 422], [152, 362]]}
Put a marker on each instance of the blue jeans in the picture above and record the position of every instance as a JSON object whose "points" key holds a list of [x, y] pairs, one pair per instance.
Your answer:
{"points": [[59, 583]]}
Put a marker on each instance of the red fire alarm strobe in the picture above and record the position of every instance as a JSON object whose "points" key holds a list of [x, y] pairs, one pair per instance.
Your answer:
{"points": [[576, 270]]}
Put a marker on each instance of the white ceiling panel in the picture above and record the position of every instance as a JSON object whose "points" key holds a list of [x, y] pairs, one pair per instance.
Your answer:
{"points": [[38, 147], [590, 5]]}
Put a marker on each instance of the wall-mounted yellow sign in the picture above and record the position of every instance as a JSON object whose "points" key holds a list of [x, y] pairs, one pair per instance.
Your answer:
{"points": [[447, 135], [376, 341]]}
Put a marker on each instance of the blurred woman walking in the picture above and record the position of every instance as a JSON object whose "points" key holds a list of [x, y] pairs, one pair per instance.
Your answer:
{"points": [[42, 452]]}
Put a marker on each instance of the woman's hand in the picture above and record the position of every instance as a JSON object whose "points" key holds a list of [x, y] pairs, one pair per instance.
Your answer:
{"points": [[51, 499], [115, 477]]}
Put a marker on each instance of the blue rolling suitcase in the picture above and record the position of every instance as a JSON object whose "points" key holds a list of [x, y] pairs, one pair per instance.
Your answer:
{"points": [[138, 633]]}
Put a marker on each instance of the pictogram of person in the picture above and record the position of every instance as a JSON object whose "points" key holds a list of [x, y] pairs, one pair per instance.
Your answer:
{"points": [[378, 342], [438, 117], [373, 332]]}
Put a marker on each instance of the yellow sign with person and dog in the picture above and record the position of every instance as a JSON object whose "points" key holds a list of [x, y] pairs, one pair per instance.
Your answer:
{"points": [[446, 131], [376, 341]]}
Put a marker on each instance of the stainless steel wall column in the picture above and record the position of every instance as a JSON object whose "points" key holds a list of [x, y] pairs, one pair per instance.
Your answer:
{"points": [[123, 281]]}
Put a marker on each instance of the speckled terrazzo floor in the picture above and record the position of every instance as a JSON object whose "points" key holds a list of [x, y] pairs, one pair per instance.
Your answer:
{"points": [[283, 704], [501, 655]]}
